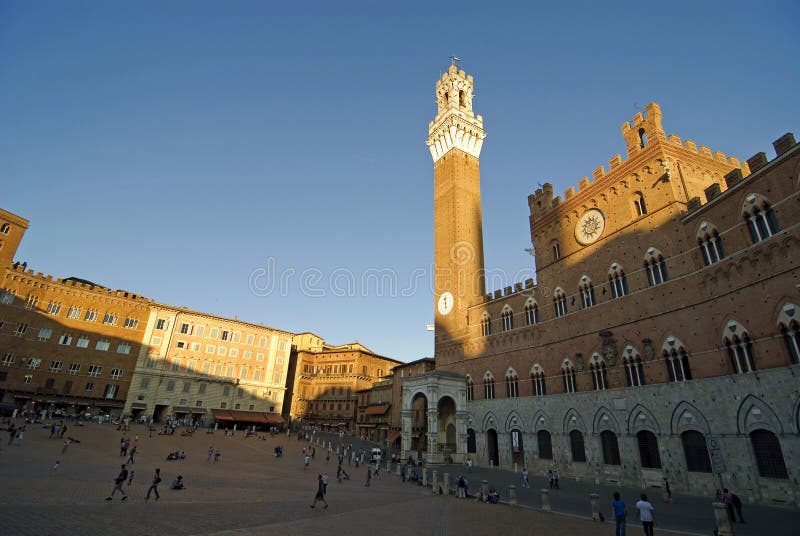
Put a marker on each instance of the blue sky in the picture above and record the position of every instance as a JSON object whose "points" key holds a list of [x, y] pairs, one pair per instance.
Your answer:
{"points": [[200, 153]]}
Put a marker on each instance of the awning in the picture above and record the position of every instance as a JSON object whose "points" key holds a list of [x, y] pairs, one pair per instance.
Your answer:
{"points": [[138, 405], [378, 409], [364, 425], [247, 416], [394, 436]]}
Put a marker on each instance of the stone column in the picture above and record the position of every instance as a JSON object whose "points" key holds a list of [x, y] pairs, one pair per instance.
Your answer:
{"points": [[546, 500], [484, 489], [388, 465], [397, 468], [593, 497], [435, 482], [424, 477], [724, 527], [405, 436], [433, 435], [462, 418], [512, 495], [446, 483]]}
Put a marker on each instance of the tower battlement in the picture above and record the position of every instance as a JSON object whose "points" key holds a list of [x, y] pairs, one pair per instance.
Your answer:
{"points": [[86, 286]]}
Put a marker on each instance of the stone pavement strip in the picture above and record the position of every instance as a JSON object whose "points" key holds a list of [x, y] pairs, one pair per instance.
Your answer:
{"points": [[248, 492]]}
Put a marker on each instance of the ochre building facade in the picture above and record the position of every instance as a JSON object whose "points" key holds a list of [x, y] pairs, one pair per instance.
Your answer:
{"points": [[660, 339]]}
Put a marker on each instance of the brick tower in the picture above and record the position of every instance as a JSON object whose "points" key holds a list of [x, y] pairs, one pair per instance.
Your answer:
{"points": [[455, 138]]}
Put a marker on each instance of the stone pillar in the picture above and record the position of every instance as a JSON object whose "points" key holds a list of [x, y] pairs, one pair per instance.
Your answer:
{"points": [[329, 445], [512, 495], [724, 527], [516, 469], [234, 427], [433, 435], [491, 464], [405, 436], [546, 500], [397, 468], [435, 482], [462, 419], [484, 489], [446, 483], [424, 477], [593, 497], [389, 465]]}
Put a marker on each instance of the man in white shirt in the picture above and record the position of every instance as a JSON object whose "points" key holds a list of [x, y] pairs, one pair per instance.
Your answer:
{"points": [[646, 515]]}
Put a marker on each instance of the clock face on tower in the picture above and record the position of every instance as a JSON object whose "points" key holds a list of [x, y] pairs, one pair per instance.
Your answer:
{"points": [[590, 226], [445, 304]]}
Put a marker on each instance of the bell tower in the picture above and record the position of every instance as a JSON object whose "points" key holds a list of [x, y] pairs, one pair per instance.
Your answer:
{"points": [[455, 138]]}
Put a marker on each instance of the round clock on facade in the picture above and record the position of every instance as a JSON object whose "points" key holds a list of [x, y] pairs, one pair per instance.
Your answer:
{"points": [[445, 304], [590, 226]]}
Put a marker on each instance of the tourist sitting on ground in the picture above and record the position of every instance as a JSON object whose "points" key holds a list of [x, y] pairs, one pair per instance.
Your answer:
{"points": [[177, 483], [182, 455], [175, 456], [494, 496]]}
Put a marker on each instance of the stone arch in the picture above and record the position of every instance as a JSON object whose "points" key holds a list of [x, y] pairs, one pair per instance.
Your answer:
{"points": [[489, 421], [753, 200], [753, 414], [541, 421], [733, 329], [687, 417], [515, 422], [788, 314], [641, 418], [573, 421], [604, 420]]}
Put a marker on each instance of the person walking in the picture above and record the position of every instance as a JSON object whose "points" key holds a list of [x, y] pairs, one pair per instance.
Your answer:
{"points": [[555, 479], [210, 453], [646, 515], [525, 482], [325, 483], [118, 483], [620, 512], [737, 504], [131, 455], [306, 460], [369, 477], [320, 496], [154, 485]]}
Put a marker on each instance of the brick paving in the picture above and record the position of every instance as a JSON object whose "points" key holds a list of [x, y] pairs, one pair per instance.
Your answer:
{"points": [[249, 492]]}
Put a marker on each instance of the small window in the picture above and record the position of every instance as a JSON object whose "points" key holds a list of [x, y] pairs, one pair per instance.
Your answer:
{"points": [[710, 244], [617, 281], [538, 381], [470, 388], [507, 316], [568, 376], [586, 290], [556, 251], [560, 301], [488, 386], [638, 204], [5, 228], [597, 368], [760, 218], [677, 361], [512, 384], [486, 325], [655, 267], [531, 312]]}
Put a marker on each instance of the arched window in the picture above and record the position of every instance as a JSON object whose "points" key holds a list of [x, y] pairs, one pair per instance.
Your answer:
{"points": [[638, 204], [655, 267], [560, 301], [597, 368], [677, 360], [648, 449], [488, 386], [610, 447], [739, 348], [634, 369], [5, 228], [512, 384], [790, 330], [545, 445], [486, 325], [617, 281], [696, 452], [642, 138], [577, 446], [556, 251], [568, 376], [760, 218], [710, 244], [587, 292], [470, 388], [768, 454], [507, 316], [531, 312], [538, 381]]}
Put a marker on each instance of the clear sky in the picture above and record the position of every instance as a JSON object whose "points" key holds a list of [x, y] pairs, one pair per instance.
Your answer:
{"points": [[267, 159]]}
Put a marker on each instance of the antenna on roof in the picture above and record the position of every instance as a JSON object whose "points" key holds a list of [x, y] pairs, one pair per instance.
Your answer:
{"points": [[639, 108]]}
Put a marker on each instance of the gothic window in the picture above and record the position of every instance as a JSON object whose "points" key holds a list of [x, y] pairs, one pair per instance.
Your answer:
{"points": [[5, 228], [634, 370], [655, 267], [677, 361], [531, 312], [512, 384], [568, 376], [638, 204], [739, 348], [488, 386], [560, 301], [470, 388], [648, 449], [791, 336], [587, 292], [545, 445], [538, 381], [642, 138], [610, 447], [710, 244], [577, 446], [597, 368], [768, 454], [617, 281], [760, 218], [486, 325], [507, 316], [696, 452]]}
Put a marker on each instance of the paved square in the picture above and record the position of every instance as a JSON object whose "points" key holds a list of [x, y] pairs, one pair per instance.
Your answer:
{"points": [[249, 491]]}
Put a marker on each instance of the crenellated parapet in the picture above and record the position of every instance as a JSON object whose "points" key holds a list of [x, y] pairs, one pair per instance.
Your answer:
{"points": [[456, 126]]}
